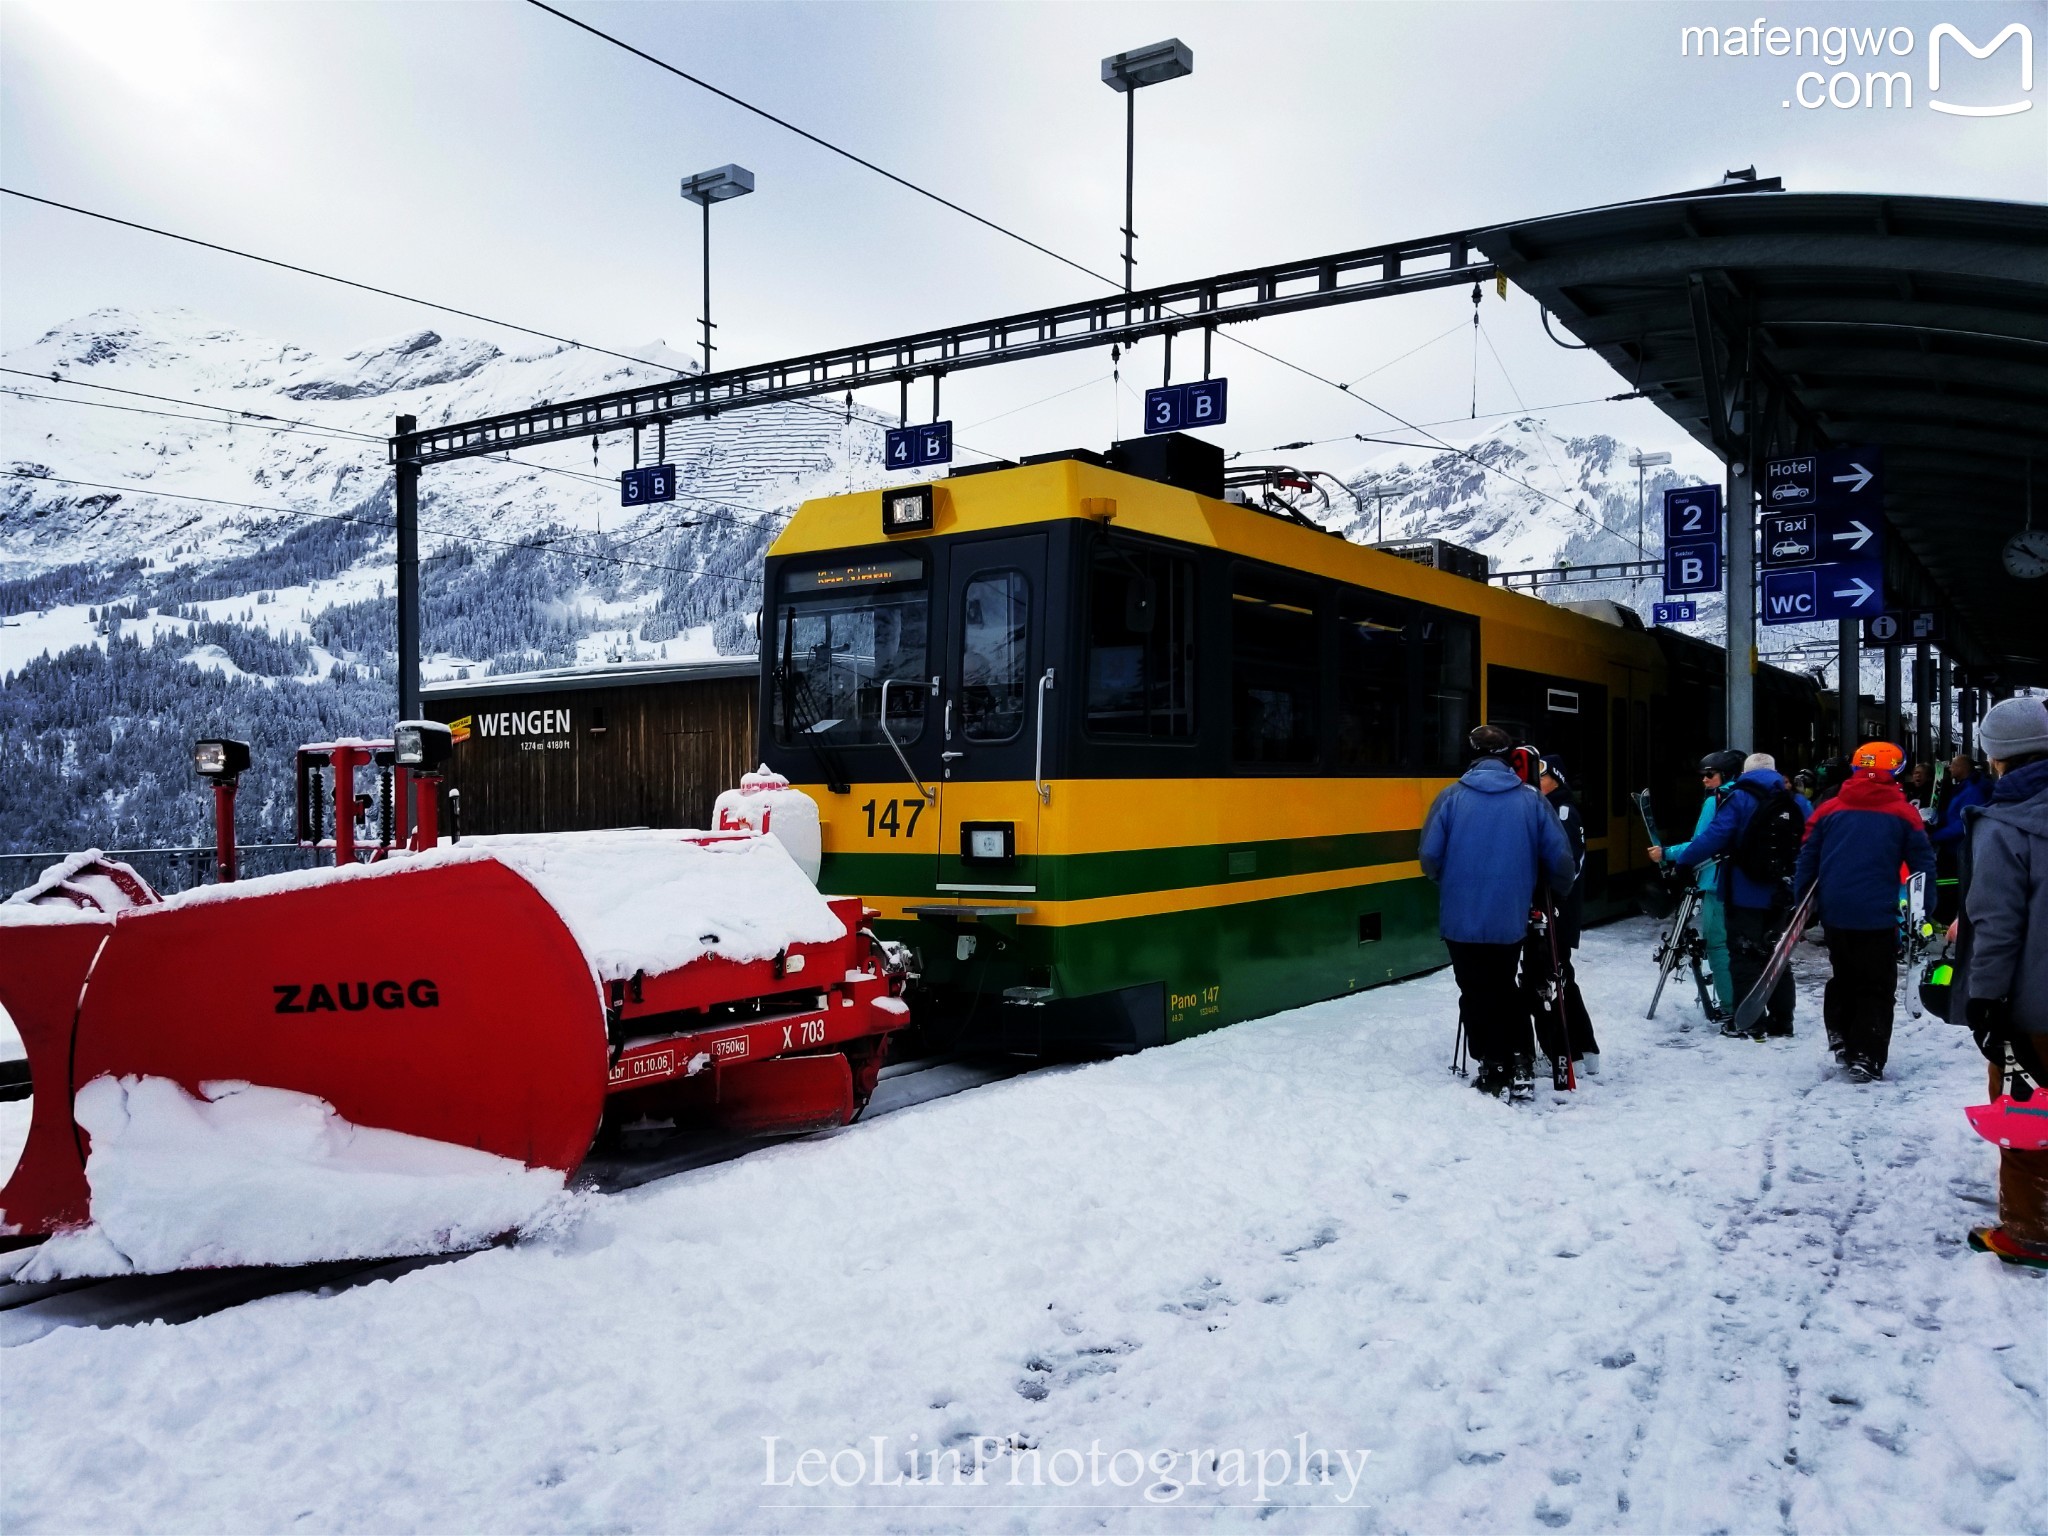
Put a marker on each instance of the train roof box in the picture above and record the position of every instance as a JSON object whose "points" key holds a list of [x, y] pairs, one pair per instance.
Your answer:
{"points": [[1440, 555], [1172, 458]]}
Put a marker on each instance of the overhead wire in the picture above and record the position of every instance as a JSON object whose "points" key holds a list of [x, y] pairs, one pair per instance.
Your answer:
{"points": [[902, 181], [543, 547], [260, 422], [823, 143]]}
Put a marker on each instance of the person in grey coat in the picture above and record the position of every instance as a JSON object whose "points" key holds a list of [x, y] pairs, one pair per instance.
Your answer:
{"points": [[2000, 987]]}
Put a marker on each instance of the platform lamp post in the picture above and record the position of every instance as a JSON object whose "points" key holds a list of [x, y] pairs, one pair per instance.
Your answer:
{"points": [[1642, 462], [705, 188], [1127, 72]]}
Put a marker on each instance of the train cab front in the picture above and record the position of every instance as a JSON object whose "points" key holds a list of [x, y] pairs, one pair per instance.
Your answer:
{"points": [[922, 681]]}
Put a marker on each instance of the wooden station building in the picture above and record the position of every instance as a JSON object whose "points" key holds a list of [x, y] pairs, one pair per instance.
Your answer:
{"points": [[639, 744]]}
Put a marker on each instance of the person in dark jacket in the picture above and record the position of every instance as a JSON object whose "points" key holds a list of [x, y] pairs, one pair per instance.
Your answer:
{"points": [[1490, 843], [2001, 969], [1965, 787], [1571, 921], [1853, 850], [1756, 910]]}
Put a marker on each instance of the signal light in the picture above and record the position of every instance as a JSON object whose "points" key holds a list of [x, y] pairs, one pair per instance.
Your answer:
{"points": [[221, 759], [422, 744], [907, 511]]}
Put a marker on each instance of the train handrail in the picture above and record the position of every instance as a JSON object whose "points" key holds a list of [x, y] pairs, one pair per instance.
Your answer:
{"points": [[1038, 758], [931, 795]]}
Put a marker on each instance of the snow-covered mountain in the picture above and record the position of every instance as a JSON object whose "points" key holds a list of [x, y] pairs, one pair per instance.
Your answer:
{"points": [[195, 536]]}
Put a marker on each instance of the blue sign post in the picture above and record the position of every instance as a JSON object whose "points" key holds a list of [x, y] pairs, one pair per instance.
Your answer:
{"points": [[1177, 407], [914, 447], [1823, 536], [1692, 540]]}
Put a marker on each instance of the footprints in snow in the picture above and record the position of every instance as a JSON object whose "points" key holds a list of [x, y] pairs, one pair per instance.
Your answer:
{"points": [[1206, 1302]]}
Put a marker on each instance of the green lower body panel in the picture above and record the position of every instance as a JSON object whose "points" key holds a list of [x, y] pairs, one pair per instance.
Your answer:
{"points": [[1135, 981]]}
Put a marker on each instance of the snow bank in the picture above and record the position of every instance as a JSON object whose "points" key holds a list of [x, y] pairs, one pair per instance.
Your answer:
{"points": [[650, 901], [252, 1175]]}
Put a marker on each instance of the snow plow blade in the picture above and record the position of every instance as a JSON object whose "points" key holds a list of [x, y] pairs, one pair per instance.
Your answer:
{"points": [[448, 1003]]}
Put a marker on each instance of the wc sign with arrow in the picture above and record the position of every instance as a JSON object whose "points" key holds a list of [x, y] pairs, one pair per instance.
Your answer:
{"points": [[1823, 536]]}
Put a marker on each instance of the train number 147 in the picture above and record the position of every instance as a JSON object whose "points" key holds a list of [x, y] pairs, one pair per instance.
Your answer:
{"points": [[889, 820]]}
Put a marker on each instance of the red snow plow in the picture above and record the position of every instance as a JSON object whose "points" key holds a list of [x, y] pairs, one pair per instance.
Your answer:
{"points": [[506, 995]]}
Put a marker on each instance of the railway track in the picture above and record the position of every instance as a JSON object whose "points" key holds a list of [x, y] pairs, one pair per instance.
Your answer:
{"points": [[29, 1311]]}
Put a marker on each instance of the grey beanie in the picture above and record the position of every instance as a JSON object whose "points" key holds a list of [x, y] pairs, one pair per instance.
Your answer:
{"points": [[2013, 728]]}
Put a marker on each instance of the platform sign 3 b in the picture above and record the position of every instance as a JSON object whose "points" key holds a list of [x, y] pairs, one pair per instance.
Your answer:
{"points": [[912, 447], [638, 487], [1178, 407], [1676, 613]]}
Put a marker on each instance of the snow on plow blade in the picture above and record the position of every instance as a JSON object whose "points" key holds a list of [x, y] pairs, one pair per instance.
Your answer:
{"points": [[411, 1056]]}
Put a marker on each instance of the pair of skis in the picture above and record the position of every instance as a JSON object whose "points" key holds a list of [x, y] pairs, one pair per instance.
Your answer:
{"points": [[1682, 940], [1759, 998]]}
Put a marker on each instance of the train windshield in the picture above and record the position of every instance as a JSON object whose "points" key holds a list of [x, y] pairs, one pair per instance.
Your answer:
{"points": [[841, 633]]}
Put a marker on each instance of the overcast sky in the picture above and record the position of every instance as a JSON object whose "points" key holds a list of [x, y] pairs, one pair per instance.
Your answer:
{"points": [[491, 156]]}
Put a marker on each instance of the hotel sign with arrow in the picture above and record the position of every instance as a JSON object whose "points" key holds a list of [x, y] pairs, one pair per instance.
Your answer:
{"points": [[1823, 536]]}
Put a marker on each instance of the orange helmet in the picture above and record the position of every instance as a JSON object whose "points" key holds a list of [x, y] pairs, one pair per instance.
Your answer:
{"points": [[1878, 757]]}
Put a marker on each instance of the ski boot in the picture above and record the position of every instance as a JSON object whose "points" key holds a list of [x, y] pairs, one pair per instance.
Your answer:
{"points": [[1492, 1078], [1522, 1089]]}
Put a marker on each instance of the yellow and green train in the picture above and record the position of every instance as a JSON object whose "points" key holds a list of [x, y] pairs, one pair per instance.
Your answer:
{"points": [[1123, 760]]}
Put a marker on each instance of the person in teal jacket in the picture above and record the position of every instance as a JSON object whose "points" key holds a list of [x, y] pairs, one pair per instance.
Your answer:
{"points": [[1717, 771]]}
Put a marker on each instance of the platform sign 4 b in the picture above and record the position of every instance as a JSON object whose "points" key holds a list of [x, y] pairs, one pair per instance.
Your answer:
{"points": [[1178, 407], [913, 447], [1692, 540]]}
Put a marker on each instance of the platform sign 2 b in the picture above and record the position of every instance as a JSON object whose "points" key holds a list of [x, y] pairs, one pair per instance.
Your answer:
{"points": [[912, 447], [638, 487], [1179, 407], [1692, 540]]}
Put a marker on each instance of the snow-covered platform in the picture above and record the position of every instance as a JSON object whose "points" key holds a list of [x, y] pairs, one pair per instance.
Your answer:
{"points": [[1717, 1289]]}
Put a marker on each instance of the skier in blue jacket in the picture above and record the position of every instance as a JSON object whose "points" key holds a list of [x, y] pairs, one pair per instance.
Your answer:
{"points": [[1718, 772], [1489, 843], [1757, 908]]}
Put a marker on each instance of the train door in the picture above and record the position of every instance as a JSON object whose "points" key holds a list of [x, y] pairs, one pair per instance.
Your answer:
{"points": [[995, 691]]}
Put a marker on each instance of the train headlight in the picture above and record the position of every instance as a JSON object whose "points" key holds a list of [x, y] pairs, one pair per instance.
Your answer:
{"points": [[220, 759], [422, 744], [907, 511], [988, 842]]}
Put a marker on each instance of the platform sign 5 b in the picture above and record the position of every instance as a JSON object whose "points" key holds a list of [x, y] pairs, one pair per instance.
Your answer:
{"points": [[1692, 540], [637, 487]]}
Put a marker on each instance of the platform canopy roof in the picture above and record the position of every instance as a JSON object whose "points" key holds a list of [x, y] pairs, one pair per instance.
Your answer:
{"points": [[1838, 319]]}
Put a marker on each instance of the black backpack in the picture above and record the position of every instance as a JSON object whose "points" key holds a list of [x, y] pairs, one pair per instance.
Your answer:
{"points": [[1769, 846]]}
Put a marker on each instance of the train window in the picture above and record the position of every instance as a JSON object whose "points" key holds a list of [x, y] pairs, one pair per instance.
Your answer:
{"points": [[995, 627], [1275, 669], [1447, 654], [837, 643], [1374, 719], [1625, 782], [1141, 644]]}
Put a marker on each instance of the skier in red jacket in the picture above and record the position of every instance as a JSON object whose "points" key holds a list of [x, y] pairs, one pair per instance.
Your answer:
{"points": [[1855, 847]]}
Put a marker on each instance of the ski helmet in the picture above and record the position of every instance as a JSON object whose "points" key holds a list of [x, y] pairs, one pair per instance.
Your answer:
{"points": [[1880, 758], [1936, 978], [1726, 764], [1527, 763]]}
